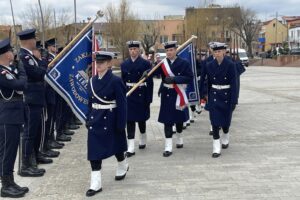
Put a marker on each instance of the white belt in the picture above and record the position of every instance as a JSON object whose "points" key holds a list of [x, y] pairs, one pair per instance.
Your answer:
{"points": [[221, 87], [168, 85], [103, 107], [133, 84]]}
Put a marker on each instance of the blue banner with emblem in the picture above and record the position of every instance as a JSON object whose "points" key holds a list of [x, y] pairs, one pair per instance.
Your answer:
{"points": [[69, 75], [192, 91]]}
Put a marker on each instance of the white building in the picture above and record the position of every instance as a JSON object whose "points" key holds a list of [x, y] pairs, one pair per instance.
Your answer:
{"points": [[294, 37]]}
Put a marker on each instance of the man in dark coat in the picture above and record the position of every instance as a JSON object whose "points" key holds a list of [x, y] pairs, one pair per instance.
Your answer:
{"points": [[176, 74], [222, 95], [106, 121], [138, 103], [13, 81]]}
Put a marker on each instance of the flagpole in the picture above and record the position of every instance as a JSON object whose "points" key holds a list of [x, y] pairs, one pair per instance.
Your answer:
{"points": [[15, 29], [158, 65], [43, 24], [77, 37]]}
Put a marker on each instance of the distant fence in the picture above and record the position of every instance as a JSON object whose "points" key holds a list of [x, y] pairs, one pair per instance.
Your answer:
{"points": [[279, 61]]}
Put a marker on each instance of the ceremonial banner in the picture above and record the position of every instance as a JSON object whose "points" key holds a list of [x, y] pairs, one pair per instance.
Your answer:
{"points": [[192, 90], [69, 75]]}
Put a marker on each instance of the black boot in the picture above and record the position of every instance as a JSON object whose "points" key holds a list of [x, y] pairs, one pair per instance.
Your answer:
{"points": [[68, 132], [9, 190], [72, 126], [12, 182], [63, 138], [47, 152], [52, 144], [41, 159], [33, 163], [27, 170]]}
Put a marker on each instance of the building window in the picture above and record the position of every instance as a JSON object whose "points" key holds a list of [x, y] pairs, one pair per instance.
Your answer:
{"points": [[111, 42], [163, 38]]}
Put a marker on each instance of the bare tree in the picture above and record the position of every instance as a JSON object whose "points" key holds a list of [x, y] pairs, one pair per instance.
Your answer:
{"points": [[122, 25], [32, 19], [247, 28], [150, 31]]}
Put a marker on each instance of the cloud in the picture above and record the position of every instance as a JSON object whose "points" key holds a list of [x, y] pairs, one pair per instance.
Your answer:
{"points": [[150, 9]]}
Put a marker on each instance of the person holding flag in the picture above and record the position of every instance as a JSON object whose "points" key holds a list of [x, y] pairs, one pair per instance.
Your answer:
{"points": [[138, 104], [175, 73], [222, 95], [106, 121]]}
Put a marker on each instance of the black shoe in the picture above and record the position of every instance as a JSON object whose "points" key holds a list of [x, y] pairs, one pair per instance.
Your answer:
{"points": [[50, 153], [68, 132], [179, 146], [142, 146], [167, 153], [188, 124], [43, 160], [129, 154], [216, 155], [91, 192], [183, 128], [52, 144], [73, 127], [63, 138], [34, 165], [13, 183], [77, 122], [192, 121], [210, 133], [30, 172], [225, 146], [9, 190]]}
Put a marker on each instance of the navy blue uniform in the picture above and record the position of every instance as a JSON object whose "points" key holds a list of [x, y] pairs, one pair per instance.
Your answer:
{"points": [[168, 113], [240, 69], [34, 101], [106, 127], [11, 115], [220, 101], [138, 103]]}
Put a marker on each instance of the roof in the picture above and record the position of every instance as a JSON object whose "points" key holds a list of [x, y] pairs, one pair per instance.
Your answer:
{"points": [[291, 18]]}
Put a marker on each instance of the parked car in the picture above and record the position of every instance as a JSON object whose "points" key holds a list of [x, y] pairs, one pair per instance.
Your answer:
{"points": [[243, 57], [295, 51]]}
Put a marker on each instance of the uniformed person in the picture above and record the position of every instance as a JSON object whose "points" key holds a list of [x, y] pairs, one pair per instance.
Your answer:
{"points": [[170, 114], [138, 103], [13, 82], [50, 142], [222, 95], [106, 121], [34, 103]]}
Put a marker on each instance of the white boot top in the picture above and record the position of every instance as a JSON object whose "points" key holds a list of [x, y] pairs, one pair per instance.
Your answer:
{"points": [[130, 145], [179, 138], [143, 139], [122, 168], [96, 180], [225, 138], [216, 146], [168, 144]]}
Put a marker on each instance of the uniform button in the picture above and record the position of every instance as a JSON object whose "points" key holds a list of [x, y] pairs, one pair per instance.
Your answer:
{"points": [[128, 81], [214, 78], [225, 78], [140, 95], [225, 93], [92, 117], [128, 73], [91, 128], [226, 101], [215, 99], [178, 73], [104, 97], [105, 128], [168, 95], [92, 97], [215, 93]]}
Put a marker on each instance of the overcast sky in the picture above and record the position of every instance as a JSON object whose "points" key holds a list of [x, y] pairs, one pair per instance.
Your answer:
{"points": [[145, 9]]}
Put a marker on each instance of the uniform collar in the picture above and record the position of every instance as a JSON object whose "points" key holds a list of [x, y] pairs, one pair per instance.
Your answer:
{"points": [[100, 77], [52, 54], [133, 60], [27, 50], [7, 67]]}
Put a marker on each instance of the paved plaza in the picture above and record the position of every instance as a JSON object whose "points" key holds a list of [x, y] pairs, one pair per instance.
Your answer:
{"points": [[262, 161]]}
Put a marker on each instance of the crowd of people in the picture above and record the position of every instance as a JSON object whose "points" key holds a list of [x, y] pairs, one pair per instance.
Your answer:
{"points": [[30, 107]]}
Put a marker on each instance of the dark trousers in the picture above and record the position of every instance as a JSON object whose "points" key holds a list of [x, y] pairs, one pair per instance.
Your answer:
{"points": [[63, 113], [9, 142], [169, 131], [49, 124], [193, 108], [131, 129], [216, 131], [31, 137], [96, 165]]}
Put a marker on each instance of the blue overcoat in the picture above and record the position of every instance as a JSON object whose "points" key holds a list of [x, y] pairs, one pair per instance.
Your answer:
{"points": [[106, 127], [220, 101], [168, 113], [138, 103]]}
